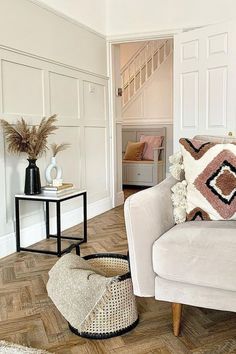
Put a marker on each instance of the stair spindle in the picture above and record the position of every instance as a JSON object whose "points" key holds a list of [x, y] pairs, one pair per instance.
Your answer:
{"points": [[147, 60]]}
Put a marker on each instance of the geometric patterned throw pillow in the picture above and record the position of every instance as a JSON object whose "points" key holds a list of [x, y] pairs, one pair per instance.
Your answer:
{"points": [[210, 172]]}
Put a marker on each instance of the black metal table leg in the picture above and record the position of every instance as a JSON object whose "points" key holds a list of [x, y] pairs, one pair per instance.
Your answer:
{"points": [[17, 224], [85, 216], [58, 229], [77, 250], [47, 221]]}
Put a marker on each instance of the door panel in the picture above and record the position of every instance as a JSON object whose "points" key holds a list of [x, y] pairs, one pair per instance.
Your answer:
{"points": [[189, 100], [217, 97], [204, 81]]}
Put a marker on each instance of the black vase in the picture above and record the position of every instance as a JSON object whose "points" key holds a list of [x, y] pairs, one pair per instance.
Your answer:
{"points": [[32, 178]]}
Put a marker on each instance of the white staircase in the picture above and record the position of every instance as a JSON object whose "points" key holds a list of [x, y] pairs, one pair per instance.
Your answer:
{"points": [[141, 67]]}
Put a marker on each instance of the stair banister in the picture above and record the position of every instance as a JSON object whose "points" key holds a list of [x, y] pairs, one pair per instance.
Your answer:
{"points": [[141, 66]]}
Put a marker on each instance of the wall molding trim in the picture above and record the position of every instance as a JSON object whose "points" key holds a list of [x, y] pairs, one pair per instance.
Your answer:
{"points": [[142, 36], [55, 62], [148, 121], [36, 232], [149, 35], [66, 17]]}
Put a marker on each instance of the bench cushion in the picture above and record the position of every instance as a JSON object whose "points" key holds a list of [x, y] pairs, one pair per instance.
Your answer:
{"points": [[200, 253], [151, 142], [142, 162], [134, 151]]}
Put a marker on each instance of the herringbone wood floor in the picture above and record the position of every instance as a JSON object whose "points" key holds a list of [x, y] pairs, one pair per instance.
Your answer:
{"points": [[27, 315]]}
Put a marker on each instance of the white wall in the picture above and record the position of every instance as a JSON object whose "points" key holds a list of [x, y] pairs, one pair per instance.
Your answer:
{"points": [[136, 17], [91, 13], [127, 50], [28, 27], [70, 80]]}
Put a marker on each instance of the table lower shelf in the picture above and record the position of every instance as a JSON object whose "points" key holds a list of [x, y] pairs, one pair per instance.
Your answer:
{"points": [[55, 253], [67, 237]]}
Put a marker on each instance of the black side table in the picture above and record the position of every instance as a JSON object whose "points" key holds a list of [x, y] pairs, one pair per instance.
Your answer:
{"points": [[46, 198]]}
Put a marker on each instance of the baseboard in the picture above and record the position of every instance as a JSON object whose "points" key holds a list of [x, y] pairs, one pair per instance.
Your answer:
{"points": [[119, 198], [29, 235], [36, 233]]}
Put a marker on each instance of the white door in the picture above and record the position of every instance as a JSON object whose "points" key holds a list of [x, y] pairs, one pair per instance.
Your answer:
{"points": [[205, 81]]}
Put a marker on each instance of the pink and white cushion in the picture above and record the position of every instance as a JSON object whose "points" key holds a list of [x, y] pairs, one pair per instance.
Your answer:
{"points": [[210, 172], [151, 143]]}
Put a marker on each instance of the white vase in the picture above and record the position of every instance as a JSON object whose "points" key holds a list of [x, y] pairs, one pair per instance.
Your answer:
{"points": [[53, 166]]}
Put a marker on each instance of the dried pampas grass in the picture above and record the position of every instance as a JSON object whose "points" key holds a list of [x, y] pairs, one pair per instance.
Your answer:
{"points": [[31, 140], [56, 148]]}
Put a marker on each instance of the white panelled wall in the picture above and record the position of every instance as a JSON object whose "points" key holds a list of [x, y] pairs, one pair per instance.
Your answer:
{"points": [[59, 70]]}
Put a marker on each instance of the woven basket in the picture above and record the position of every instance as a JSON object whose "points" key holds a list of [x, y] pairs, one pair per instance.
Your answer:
{"points": [[119, 314]]}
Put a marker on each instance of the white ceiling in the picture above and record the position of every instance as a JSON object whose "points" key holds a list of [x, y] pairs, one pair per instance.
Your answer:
{"points": [[119, 17], [91, 13], [140, 16]]}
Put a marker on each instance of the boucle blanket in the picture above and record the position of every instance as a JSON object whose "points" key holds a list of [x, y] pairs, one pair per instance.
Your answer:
{"points": [[77, 289], [11, 348]]}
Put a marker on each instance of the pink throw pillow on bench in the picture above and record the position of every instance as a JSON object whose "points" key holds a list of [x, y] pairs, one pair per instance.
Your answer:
{"points": [[151, 142]]}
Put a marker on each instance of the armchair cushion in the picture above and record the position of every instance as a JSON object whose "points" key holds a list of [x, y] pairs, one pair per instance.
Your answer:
{"points": [[199, 253]]}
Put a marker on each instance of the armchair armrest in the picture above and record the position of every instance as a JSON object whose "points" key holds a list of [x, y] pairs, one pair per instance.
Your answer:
{"points": [[148, 214]]}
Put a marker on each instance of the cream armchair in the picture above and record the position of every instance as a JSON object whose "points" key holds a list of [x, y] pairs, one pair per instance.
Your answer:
{"points": [[192, 263]]}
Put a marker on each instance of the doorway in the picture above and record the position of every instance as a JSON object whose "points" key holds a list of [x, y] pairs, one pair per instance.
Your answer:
{"points": [[143, 72]]}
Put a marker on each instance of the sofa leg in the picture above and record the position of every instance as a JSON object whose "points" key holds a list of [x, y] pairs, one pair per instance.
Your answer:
{"points": [[176, 317]]}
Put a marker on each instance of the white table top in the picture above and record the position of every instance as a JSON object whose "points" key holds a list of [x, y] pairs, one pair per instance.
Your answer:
{"points": [[50, 196]]}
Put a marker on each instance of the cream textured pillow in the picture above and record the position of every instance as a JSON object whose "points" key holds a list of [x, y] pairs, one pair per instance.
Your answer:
{"points": [[177, 168], [210, 172], [179, 201], [179, 190], [134, 151]]}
